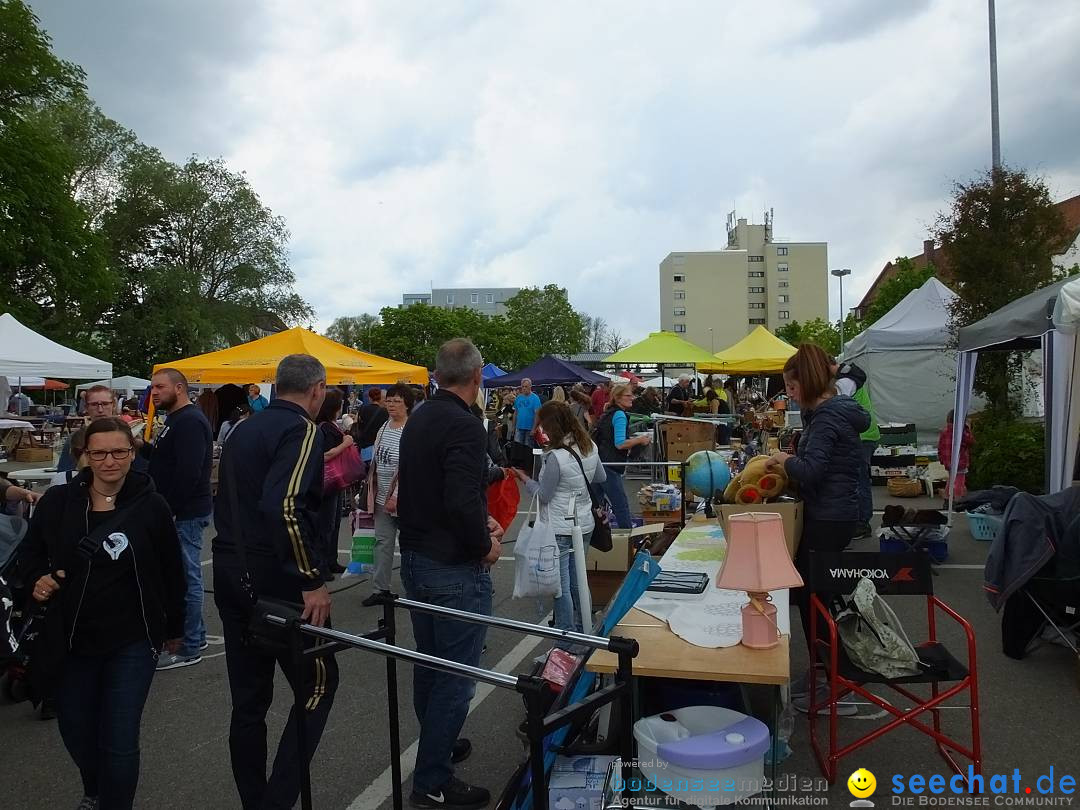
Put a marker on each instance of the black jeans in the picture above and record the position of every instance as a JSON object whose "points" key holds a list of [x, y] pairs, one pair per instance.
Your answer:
{"points": [[251, 683], [817, 535], [99, 706], [329, 528]]}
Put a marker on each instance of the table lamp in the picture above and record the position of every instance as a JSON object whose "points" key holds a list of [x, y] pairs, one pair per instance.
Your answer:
{"points": [[757, 562]]}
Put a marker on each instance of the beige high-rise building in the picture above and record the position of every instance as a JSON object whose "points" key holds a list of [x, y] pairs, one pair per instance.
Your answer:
{"points": [[714, 298]]}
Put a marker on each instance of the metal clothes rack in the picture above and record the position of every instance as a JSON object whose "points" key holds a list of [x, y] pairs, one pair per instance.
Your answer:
{"points": [[533, 689]]}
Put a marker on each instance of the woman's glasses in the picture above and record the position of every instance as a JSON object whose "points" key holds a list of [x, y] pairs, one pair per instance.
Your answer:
{"points": [[119, 455]]}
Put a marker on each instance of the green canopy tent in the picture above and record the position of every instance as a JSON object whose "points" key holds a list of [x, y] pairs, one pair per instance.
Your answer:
{"points": [[664, 349]]}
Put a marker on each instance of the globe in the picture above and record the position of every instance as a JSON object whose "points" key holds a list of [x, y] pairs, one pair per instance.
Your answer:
{"points": [[707, 474]]}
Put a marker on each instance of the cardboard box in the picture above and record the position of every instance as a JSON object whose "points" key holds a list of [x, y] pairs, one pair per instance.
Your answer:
{"points": [[683, 439], [622, 549], [577, 783], [33, 454], [790, 513]]}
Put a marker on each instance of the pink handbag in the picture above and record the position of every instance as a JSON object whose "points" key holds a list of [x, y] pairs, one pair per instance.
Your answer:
{"points": [[343, 470]]}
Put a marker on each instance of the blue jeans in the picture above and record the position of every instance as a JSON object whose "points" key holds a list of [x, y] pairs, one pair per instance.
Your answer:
{"points": [[616, 493], [441, 701], [99, 705], [866, 489], [524, 436], [191, 534], [568, 605]]}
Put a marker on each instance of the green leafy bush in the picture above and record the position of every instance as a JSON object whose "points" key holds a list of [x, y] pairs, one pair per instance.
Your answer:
{"points": [[1008, 452]]}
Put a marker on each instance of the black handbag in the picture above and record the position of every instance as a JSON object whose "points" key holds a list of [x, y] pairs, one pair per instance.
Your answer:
{"points": [[259, 633], [601, 533]]}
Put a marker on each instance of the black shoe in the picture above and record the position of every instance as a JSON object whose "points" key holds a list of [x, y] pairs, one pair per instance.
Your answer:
{"points": [[454, 793], [862, 531], [461, 750], [337, 568], [48, 711], [375, 599]]}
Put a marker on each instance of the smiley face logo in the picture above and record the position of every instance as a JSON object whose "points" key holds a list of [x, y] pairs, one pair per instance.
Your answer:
{"points": [[862, 783]]}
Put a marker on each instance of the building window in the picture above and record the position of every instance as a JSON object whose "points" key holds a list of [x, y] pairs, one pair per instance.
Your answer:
{"points": [[781, 284], [757, 289], [680, 327], [757, 321], [450, 299], [781, 251], [678, 279], [490, 298], [755, 258], [756, 305], [784, 299], [679, 295], [476, 298], [680, 312], [781, 268], [757, 274], [784, 314]]}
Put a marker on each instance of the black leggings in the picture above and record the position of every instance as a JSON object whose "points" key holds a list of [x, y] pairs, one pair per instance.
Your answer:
{"points": [[817, 535]]}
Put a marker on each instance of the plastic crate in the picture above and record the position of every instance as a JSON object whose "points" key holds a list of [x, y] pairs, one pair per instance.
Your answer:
{"points": [[937, 549], [984, 527], [898, 435]]}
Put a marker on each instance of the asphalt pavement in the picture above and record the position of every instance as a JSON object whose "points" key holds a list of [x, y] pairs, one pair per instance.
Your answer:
{"points": [[1029, 711]]}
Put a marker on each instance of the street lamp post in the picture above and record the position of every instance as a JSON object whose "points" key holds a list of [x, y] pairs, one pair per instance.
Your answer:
{"points": [[840, 273]]}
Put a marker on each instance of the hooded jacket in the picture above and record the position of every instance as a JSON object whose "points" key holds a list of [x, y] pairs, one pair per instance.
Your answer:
{"points": [[826, 464], [60, 521]]}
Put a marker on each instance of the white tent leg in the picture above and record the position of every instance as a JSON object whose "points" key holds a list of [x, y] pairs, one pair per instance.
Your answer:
{"points": [[584, 595]]}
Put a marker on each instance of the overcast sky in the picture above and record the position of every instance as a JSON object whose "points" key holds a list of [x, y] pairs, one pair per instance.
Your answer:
{"points": [[519, 143]]}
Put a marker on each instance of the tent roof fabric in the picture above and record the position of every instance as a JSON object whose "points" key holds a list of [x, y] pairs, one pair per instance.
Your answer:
{"points": [[125, 383], [919, 321], [257, 362], [548, 370], [760, 352], [491, 370], [1017, 325], [25, 353], [1067, 308], [662, 347]]}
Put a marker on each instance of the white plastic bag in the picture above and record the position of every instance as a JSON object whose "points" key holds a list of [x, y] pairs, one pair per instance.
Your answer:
{"points": [[536, 557]]}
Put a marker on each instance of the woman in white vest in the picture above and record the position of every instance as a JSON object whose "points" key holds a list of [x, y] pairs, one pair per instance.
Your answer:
{"points": [[570, 464]]}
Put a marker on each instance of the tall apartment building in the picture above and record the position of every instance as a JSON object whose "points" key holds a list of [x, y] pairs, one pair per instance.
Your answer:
{"points": [[488, 300], [714, 298]]}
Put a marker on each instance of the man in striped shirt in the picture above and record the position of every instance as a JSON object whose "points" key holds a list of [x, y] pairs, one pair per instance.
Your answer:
{"points": [[266, 516]]}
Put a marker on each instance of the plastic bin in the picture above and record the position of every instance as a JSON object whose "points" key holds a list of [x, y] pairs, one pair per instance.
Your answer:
{"points": [[938, 549], [983, 526]]}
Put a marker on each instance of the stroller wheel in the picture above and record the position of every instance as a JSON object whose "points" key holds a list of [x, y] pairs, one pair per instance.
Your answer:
{"points": [[13, 689]]}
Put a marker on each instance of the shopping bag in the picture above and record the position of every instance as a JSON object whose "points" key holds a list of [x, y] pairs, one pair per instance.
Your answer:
{"points": [[343, 470], [503, 498], [536, 558]]}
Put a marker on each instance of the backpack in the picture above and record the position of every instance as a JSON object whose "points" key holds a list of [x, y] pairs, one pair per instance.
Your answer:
{"points": [[873, 637]]}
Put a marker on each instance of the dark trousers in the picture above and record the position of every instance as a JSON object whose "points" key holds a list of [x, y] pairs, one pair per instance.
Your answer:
{"points": [[99, 705], [329, 528], [441, 701], [817, 535], [251, 684], [866, 488]]}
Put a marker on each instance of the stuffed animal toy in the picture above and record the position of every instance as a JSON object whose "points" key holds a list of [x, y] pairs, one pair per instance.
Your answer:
{"points": [[756, 483]]}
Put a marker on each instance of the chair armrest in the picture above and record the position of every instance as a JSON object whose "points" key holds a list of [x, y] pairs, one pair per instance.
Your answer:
{"points": [[964, 624]]}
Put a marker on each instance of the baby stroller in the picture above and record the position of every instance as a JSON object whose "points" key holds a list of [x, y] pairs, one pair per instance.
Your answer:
{"points": [[13, 619]]}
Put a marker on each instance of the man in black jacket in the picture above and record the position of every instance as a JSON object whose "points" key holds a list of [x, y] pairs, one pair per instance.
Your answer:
{"points": [[447, 544], [180, 462], [268, 503]]}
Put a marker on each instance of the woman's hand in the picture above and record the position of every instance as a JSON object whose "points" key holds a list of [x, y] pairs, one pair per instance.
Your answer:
{"points": [[348, 441], [777, 460], [646, 439], [14, 493], [520, 475], [391, 504], [46, 586]]}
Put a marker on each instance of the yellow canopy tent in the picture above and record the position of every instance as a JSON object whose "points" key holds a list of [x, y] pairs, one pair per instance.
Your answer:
{"points": [[257, 362], [760, 352]]}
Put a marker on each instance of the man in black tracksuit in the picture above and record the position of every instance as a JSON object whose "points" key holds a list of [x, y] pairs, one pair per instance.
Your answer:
{"points": [[271, 470]]}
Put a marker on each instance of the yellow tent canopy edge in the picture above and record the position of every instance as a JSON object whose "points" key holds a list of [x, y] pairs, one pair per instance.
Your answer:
{"points": [[760, 352]]}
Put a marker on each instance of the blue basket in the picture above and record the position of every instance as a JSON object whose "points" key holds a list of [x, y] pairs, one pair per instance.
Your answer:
{"points": [[937, 549], [984, 527]]}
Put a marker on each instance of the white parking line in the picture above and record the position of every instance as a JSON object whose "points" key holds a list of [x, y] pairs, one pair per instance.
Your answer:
{"points": [[381, 788]]}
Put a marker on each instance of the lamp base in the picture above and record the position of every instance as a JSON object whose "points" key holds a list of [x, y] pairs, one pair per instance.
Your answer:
{"points": [[759, 625]]}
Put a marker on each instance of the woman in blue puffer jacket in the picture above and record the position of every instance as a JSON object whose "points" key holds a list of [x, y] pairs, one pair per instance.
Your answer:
{"points": [[826, 463]]}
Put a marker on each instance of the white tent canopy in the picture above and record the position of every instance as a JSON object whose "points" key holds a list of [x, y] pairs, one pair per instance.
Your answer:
{"points": [[125, 383], [25, 353], [905, 355]]}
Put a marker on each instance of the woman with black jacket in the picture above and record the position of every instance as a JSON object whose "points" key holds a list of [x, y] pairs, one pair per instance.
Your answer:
{"points": [[104, 556]]}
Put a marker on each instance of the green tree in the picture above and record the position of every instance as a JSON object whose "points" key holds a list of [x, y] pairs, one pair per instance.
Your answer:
{"points": [[413, 334], [908, 277], [30, 74], [1000, 234], [818, 331], [355, 331], [545, 322]]}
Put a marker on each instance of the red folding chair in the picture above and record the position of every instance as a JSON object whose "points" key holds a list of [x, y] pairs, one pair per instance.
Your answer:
{"points": [[836, 574]]}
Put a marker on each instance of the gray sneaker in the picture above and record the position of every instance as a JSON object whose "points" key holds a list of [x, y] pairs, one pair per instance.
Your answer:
{"points": [[88, 803], [175, 661], [802, 703]]}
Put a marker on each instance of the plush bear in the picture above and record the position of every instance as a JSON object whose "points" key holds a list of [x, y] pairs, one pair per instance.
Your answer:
{"points": [[756, 483]]}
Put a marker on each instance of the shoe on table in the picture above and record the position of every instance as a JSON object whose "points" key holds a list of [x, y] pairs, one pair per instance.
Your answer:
{"points": [[375, 599], [454, 793], [802, 704], [461, 750], [175, 661]]}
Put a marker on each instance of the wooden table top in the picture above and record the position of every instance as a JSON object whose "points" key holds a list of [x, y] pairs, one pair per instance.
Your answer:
{"points": [[663, 654]]}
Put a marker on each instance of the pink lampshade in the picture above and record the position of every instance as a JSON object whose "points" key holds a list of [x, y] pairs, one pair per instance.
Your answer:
{"points": [[757, 555]]}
